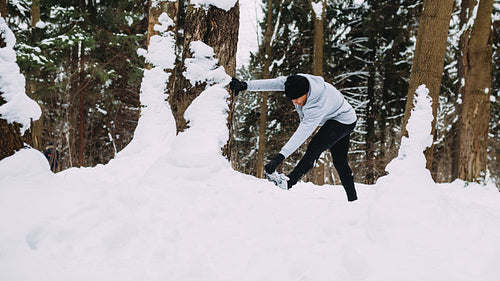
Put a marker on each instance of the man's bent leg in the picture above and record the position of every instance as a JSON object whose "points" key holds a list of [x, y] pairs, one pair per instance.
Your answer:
{"points": [[331, 132], [305, 164]]}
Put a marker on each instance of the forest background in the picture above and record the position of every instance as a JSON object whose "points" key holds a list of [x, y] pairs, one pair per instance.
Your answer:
{"points": [[82, 64]]}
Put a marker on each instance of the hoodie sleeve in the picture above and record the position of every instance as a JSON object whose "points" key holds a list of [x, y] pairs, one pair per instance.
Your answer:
{"points": [[277, 84], [311, 121]]}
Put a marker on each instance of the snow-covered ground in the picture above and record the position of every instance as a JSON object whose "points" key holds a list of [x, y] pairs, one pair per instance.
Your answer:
{"points": [[171, 208], [184, 215]]}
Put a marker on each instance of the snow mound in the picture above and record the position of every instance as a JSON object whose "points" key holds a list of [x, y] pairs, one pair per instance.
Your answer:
{"points": [[28, 163], [201, 144], [171, 208], [408, 167]]}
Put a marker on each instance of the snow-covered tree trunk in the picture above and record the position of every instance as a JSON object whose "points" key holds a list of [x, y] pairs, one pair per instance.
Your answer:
{"points": [[35, 12], [475, 117], [11, 139], [156, 8], [17, 111], [318, 11], [428, 61], [218, 28]]}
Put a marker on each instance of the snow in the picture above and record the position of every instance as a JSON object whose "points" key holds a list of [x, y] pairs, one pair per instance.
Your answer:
{"points": [[41, 24], [170, 207], [318, 9], [202, 67], [18, 107], [161, 47], [222, 4]]}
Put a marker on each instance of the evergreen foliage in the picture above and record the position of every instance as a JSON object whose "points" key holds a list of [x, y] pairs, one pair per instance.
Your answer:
{"points": [[85, 49], [81, 65]]}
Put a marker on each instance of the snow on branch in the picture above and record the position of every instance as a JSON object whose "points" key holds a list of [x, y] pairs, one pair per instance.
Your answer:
{"points": [[19, 107], [203, 66], [318, 9], [222, 4]]}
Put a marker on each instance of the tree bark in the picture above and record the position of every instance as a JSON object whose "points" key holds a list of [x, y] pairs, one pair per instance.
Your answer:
{"points": [[429, 58], [261, 146], [317, 69], [370, 137], [81, 112], [3, 9], [32, 82], [11, 140], [3, 14], [35, 12], [319, 22], [475, 117], [218, 29], [466, 9], [166, 6]]}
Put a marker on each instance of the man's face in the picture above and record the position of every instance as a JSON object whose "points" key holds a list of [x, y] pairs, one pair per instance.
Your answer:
{"points": [[300, 101]]}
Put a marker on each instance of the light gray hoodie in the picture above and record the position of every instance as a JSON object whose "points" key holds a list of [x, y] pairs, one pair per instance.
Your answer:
{"points": [[324, 102]]}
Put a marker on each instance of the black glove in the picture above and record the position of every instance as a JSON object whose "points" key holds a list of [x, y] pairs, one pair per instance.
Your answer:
{"points": [[271, 166], [237, 85]]}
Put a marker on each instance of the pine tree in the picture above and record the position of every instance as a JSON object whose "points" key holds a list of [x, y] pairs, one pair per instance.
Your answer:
{"points": [[370, 63], [85, 72]]}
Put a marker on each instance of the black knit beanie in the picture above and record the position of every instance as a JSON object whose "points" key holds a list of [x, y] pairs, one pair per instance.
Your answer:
{"points": [[296, 86]]}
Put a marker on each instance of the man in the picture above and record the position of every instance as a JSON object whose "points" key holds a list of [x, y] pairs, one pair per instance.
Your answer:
{"points": [[318, 104], [52, 156]]}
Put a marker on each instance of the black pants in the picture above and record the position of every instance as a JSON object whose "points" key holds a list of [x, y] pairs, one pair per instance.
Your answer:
{"points": [[334, 136]]}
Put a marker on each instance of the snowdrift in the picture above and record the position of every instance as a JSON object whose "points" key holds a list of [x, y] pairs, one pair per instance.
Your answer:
{"points": [[169, 207]]}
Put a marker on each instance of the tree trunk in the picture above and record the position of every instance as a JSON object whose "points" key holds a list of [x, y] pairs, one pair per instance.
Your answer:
{"points": [[370, 137], [35, 12], [218, 29], [11, 139], [223, 37], [318, 23], [3, 10], [466, 9], [261, 146], [171, 8], [32, 82], [82, 114], [165, 6], [429, 58], [475, 117]]}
